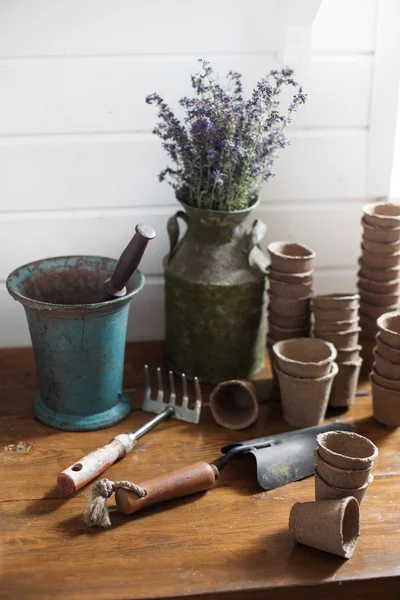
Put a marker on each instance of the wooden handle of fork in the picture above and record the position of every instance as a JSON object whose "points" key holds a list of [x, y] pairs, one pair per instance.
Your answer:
{"points": [[189, 480]]}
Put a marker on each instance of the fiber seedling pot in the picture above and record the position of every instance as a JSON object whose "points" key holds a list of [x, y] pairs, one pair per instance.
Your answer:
{"points": [[301, 322], [346, 450], [296, 278], [379, 261], [289, 307], [283, 333], [330, 525], [348, 354], [378, 274], [380, 234], [324, 491], [367, 347], [340, 339], [334, 326], [336, 301], [339, 314], [382, 214], [234, 405], [341, 478], [345, 384], [369, 333], [290, 290], [385, 368], [379, 287], [386, 405], [373, 311], [381, 248], [368, 323], [304, 401], [305, 357], [386, 382], [387, 352], [381, 299], [290, 257], [389, 329]]}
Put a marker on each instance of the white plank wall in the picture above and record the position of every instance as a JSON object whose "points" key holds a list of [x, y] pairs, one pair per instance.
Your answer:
{"points": [[78, 162]]}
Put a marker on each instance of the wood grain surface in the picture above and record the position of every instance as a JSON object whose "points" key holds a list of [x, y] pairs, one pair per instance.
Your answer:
{"points": [[229, 542]]}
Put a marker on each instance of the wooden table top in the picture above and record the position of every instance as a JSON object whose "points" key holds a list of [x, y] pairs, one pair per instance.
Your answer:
{"points": [[232, 541]]}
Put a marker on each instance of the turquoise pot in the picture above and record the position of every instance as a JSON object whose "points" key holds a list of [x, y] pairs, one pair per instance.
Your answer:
{"points": [[77, 338]]}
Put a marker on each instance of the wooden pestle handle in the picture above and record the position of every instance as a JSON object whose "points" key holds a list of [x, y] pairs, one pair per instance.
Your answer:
{"points": [[195, 478], [129, 260]]}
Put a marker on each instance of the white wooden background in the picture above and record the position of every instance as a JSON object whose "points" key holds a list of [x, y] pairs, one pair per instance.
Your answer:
{"points": [[78, 162]]}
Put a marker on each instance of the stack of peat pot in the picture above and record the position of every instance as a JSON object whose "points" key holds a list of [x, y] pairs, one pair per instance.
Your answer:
{"points": [[336, 320], [379, 273], [385, 376], [290, 289]]}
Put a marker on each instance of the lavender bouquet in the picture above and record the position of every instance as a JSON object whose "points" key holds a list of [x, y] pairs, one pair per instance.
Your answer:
{"points": [[226, 146]]}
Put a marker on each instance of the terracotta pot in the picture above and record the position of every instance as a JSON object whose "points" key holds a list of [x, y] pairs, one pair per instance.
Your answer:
{"points": [[339, 314], [386, 382], [302, 278], [389, 329], [379, 261], [378, 299], [304, 401], [380, 247], [380, 234], [378, 274], [348, 354], [341, 478], [335, 301], [385, 368], [387, 352], [382, 214], [373, 311], [334, 326], [346, 450], [305, 357], [386, 405], [289, 307], [331, 525], [234, 405], [283, 333], [290, 290], [345, 384], [340, 339], [379, 287], [290, 257], [323, 491], [301, 322]]}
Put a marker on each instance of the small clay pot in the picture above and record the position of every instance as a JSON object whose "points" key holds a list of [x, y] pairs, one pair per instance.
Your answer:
{"points": [[389, 329], [330, 525], [386, 405], [379, 261], [378, 274], [380, 247], [379, 287], [386, 382], [233, 404], [373, 312], [335, 301], [283, 333], [380, 234], [324, 491], [378, 299], [341, 478], [346, 450], [305, 357], [382, 214], [290, 290], [340, 339], [301, 322], [304, 401], [338, 314], [387, 352], [348, 354], [303, 278], [334, 326], [290, 257], [289, 307], [345, 383], [384, 368]]}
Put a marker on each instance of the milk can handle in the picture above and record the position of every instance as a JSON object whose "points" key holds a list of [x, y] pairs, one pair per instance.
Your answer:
{"points": [[173, 231], [257, 259]]}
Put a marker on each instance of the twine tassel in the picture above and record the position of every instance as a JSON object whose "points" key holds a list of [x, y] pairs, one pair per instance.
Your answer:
{"points": [[96, 512]]}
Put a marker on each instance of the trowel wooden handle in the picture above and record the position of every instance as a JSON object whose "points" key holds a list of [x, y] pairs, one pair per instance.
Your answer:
{"points": [[189, 480], [129, 260]]}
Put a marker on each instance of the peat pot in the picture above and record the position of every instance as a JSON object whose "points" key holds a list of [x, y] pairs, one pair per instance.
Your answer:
{"points": [[78, 339], [215, 291]]}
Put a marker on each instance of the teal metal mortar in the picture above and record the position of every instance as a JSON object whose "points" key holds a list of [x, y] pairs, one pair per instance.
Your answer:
{"points": [[78, 339]]}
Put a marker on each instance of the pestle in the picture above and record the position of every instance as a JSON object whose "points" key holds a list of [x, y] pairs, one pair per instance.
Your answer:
{"points": [[128, 262]]}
